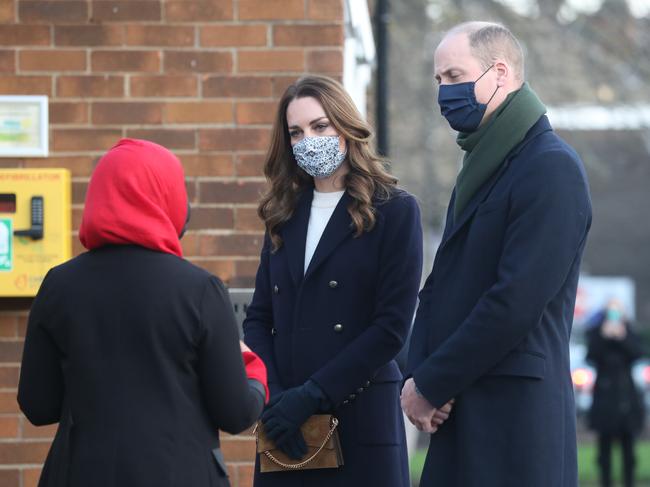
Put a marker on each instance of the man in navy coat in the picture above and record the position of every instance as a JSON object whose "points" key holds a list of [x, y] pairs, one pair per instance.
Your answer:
{"points": [[493, 324]]}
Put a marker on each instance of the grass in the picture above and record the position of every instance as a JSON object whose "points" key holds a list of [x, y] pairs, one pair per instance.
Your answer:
{"points": [[587, 467]]}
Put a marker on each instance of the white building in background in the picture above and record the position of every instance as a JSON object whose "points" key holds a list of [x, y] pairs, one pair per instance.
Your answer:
{"points": [[358, 53]]}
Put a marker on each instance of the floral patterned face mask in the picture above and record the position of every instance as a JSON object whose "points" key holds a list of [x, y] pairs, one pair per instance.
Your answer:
{"points": [[319, 157]]}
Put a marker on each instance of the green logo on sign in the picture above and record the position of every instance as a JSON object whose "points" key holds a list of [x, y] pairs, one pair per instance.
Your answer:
{"points": [[6, 239]]}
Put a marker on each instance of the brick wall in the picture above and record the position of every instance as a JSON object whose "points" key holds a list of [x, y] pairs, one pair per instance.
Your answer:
{"points": [[198, 76]]}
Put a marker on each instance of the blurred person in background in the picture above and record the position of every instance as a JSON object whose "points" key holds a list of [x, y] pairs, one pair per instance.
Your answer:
{"points": [[617, 411], [133, 350]]}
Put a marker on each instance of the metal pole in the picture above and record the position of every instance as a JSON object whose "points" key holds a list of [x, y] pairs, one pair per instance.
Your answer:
{"points": [[381, 27]]}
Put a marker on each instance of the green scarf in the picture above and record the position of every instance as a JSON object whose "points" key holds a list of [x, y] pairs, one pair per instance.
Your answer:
{"points": [[487, 148]]}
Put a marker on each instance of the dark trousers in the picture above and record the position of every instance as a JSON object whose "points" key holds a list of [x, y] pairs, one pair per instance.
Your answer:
{"points": [[605, 442]]}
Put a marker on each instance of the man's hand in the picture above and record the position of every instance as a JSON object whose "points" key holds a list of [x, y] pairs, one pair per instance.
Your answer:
{"points": [[419, 411]]}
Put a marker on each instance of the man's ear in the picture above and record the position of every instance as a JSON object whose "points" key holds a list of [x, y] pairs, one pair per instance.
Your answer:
{"points": [[503, 73], [187, 220]]}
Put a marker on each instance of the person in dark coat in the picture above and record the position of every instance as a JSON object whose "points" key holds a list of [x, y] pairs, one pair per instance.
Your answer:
{"points": [[336, 289], [494, 319], [130, 348], [617, 412]]}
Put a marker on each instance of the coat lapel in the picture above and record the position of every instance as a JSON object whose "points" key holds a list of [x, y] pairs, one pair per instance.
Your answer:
{"points": [[294, 235], [338, 228], [541, 126]]}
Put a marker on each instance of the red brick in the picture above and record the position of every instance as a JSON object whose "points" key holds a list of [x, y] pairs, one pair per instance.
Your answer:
{"points": [[325, 61], [52, 60], [8, 325], [280, 84], [52, 12], [237, 86], [88, 35], [307, 35], [199, 112], [148, 61], [31, 477], [325, 9], [247, 220], [9, 427], [198, 62], [176, 85], [238, 450], [126, 113], [79, 189], [22, 325], [90, 86], [234, 35], [223, 269], [271, 60], [8, 404], [11, 351], [7, 61], [190, 186], [68, 112], [24, 35], [230, 193], [211, 218], [234, 139], [9, 377], [258, 112], [10, 478], [207, 165], [248, 165], [84, 139], [15, 452], [159, 35], [190, 243], [8, 14], [31, 431], [271, 9], [198, 10], [26, 85], [172, 139], [79, 166], [230, 245], [131, 10]]}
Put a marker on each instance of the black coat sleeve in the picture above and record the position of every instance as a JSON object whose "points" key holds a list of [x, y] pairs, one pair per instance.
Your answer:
{"points": [[41, 387], [233, 403], [549, 218]]}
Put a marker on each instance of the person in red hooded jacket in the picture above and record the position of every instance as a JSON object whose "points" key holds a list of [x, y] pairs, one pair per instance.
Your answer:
{"points": [[130, 348]]}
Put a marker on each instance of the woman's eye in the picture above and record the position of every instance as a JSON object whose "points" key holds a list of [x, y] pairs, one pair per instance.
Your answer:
{"points": [[293, 134], [321, 126]]}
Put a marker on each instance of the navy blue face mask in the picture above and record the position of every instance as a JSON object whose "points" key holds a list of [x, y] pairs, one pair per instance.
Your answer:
{"points": [[459, 106]]}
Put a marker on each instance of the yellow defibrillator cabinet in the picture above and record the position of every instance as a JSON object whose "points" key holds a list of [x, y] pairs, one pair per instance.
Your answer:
{"points": [[35, 219]]}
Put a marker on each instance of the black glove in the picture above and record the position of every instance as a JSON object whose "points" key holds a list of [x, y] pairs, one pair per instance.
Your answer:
{"points": [[282, 421]]}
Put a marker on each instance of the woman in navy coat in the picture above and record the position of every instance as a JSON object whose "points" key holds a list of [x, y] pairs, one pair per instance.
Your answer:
{"points": [[336, 289]]}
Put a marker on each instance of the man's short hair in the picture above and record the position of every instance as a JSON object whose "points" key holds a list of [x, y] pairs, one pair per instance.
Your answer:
{"points": [[491, 41]]}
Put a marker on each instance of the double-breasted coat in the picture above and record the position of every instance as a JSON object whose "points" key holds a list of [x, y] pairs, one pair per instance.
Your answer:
{"points": [[492, 328], [341, 324]]}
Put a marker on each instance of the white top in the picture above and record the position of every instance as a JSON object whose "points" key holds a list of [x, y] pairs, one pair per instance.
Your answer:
{"points": [[322, 208]]}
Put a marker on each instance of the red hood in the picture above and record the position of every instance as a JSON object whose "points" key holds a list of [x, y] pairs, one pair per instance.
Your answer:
{"points": [[136, 196]]}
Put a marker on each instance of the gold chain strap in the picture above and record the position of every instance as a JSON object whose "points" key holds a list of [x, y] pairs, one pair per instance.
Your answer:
{"points": [[296, 466]]}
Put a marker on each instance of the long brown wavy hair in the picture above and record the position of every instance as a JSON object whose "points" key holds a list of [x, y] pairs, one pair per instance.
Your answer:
{"points": [[367, 181]]}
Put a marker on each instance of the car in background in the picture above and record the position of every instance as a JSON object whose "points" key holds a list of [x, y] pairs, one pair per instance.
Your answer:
{"points": [[583, 375]]}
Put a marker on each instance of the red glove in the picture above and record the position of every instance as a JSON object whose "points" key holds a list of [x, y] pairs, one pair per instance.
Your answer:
{"points": [[256, 370]]}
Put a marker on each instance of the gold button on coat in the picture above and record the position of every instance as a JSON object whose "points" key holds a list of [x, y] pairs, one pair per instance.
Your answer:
{"points": [[338, 328], [333, 284], [276, 289]]}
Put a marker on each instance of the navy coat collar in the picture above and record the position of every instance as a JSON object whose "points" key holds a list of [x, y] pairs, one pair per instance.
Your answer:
{"points": [[294, 234], [452, 227]]}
